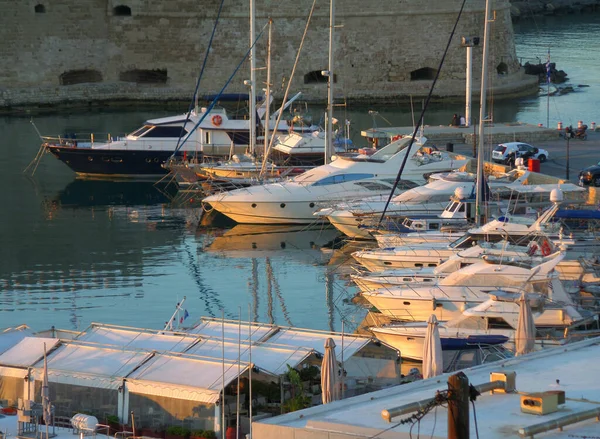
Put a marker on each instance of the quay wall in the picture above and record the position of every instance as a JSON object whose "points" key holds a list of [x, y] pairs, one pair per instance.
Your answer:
{"points": [[531, 8], [85, 51]]}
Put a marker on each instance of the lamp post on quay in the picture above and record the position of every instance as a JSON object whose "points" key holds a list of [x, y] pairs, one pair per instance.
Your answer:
{"points": [[568, 136]]}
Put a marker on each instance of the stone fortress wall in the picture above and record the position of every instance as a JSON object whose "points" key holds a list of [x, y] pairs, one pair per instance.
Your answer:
{"points": [[61, 51]]}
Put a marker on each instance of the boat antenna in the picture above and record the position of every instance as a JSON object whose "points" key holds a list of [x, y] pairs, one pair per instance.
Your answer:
{"points": [[287, 89], [425, 105], [194, 105], [214, 102]]}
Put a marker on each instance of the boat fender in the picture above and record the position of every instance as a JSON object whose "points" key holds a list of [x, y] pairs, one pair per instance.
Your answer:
{"points": [[217, 120], [546, 249]]}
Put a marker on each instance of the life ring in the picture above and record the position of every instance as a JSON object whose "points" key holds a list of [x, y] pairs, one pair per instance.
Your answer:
{"points": [[532, 249], [10, 411], [396, 137], [217, 120], [546, 249]]}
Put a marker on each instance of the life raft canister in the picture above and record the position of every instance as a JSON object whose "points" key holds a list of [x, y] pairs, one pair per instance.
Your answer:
{"points": [[217, 120]]}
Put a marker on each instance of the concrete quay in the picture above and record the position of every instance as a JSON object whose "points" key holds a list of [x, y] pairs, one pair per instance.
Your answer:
{"points": [[581, 153]]}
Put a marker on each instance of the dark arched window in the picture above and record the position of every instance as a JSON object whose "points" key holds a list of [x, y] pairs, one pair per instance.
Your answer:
{"points": [[502, 68], [80, 77], [316, 77], [122, 11], [40, 9], [423, 74], [157, 76]]}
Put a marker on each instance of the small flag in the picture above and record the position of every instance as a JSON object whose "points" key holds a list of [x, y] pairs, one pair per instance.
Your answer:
{"points": [[548, 67], [186, 314]]}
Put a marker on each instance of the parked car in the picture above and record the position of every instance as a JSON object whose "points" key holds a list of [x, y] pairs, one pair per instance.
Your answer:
{"points": [[505, 153], [590, 176]]}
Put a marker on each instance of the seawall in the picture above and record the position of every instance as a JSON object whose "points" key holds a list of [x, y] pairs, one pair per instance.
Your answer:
{"points": [[94, 51]]}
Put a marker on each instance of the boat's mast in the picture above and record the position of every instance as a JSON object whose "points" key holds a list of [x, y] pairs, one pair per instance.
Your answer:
{"points": [[252, 133], [329, 117], [482, 110], [268, 93]]}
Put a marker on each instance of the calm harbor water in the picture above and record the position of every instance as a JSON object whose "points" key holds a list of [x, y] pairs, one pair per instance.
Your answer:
{"points": [[73, 252]]}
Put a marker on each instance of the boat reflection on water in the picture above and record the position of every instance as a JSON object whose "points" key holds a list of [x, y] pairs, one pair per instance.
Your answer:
{"points": [[249, 240], [86, 193]]}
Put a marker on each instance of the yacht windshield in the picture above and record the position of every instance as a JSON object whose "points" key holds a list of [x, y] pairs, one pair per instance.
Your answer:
{"points": [[141, 131], [341, 178]]}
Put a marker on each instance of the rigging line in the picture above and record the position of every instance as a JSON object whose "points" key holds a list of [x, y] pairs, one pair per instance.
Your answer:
{"points": [[416, 130], [214, 102], [287, 90], [204, 62]]}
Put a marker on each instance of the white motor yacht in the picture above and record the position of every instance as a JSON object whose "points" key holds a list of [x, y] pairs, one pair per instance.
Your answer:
{"points": [[498, 315], [294, 201], [354, 219], [466, 288], [370, 281]]}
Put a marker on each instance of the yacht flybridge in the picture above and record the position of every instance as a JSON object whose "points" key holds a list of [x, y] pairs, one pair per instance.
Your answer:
{"points": [[294, 201]]}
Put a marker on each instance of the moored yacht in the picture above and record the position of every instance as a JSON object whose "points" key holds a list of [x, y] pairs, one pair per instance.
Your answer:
{"points": [[203, 134], [355, 219], [294, 201], [466, 288], [498, 315]]}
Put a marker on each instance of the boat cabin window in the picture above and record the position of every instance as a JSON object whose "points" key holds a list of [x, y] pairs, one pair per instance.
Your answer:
{"points": [[141, 131], [469, 240], [498, 323], [402, 184], [373, 186], [166, 131], [434, 226], [342, 178]]}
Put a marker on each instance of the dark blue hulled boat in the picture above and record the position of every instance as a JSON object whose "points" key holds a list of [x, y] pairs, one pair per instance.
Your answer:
{"points": [[204, 135], [143, 152]]}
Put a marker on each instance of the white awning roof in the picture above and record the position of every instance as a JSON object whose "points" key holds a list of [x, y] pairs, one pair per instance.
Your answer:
{"points": [[134, 338], [91, 366], [11, 336], [184, 377], [266, 356], [214, 328], [27, 352], [316, 341]]}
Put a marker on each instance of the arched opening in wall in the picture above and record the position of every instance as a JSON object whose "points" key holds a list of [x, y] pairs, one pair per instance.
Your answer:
{"points": [[40, 9], [80, 76], [502, 68], [316, 77], [158, 76], [122, 11], [423, 74]]}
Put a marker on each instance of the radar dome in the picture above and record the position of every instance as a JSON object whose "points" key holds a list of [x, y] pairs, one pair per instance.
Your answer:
{"points": [[556, 196], [461, 193]]}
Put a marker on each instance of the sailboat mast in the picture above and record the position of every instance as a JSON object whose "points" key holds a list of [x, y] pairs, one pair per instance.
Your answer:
{"points": [[268, 93], [482, 110], [329, 117], [252, 145]]}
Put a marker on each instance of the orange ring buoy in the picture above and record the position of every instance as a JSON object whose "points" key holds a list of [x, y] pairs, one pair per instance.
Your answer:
{"points": [[396, 137], [546, 249], [217, 120]]}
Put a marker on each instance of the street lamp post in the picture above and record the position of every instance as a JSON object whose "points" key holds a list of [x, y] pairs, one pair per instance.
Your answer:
{"points": [[568, 136]]}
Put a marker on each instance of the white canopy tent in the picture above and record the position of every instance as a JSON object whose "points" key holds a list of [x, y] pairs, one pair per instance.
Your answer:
{"points": [[135, 338], [316, 340], [212, 327], [266, 356], [11, 336]]}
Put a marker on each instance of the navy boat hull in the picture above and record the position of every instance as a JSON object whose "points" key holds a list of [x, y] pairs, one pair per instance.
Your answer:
{"points": [[114, 163]]}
